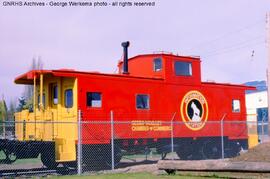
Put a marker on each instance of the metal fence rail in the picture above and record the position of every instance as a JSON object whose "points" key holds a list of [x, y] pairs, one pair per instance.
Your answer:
{"points": [[114, 141]]}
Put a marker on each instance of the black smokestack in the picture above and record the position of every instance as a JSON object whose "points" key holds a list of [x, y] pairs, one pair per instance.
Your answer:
{"points": [[125, 48]]}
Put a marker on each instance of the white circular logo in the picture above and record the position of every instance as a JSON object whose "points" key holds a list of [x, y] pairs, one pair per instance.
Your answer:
{"points": [[194, 110]]}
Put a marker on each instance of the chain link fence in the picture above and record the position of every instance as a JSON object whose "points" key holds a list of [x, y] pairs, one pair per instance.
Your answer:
{"points": [[112, 141]]}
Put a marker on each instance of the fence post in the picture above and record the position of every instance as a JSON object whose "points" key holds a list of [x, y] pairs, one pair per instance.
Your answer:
{"points": [[222, 135], [172, 141], [172, 138], [4, 126], [262, 133], [79, 160], [222, 139], [2, 133], [112, 140]]}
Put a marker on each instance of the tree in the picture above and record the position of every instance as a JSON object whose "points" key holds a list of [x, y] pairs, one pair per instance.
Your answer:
{"points": [[21, 104], [3, 110], [11, 110], [3, 114], [37, 64]]}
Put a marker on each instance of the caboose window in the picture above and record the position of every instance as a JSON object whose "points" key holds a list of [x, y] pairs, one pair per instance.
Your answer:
{"points": [[94, 99], [183, 68], [142, 101], [157, 64], [55, 94], [236, 105], [68, 98]]}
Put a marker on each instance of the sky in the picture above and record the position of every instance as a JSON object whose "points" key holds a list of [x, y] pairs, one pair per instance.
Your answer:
{"points": [[228, 35]]}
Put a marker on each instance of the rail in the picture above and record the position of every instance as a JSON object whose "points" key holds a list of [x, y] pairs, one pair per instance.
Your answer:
{"points": [[37, 172]]}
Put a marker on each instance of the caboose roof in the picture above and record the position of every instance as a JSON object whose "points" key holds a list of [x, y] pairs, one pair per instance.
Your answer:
{"points": [[28, 77], [229, 85], [161, 54]]}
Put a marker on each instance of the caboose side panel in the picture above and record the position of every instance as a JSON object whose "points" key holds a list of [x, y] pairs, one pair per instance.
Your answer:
{"points": [[118, 94]]}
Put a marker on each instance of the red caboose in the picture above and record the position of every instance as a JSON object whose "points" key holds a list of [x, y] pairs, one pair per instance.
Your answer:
{"points": [[149, 92]]}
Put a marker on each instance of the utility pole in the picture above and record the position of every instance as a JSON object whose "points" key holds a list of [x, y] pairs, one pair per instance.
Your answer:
{"points": [[268, 66]]}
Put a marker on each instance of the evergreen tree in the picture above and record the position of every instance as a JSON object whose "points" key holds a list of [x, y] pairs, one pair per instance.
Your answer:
{"points": [[3, 114], [11, 110], [3, 110], [21, 105], [37, 64]]}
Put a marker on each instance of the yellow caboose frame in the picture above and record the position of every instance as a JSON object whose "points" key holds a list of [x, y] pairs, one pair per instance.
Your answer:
{"points": [[51, 119]]}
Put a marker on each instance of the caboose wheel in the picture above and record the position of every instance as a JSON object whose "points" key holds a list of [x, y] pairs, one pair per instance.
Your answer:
{"points": [[184, 155], [211, 150], [48, 160], [232, 149], [117, 156], [7, 156], [191, 153], [11, 157]]}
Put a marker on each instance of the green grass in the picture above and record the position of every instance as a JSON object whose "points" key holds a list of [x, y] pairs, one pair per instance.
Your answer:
{"points": [[21, 161], [133, 175], [24, 161], [2, 155], [141, 156]]}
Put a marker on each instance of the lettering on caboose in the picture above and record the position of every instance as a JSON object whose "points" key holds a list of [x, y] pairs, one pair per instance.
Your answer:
{"points": [[149, 126]]}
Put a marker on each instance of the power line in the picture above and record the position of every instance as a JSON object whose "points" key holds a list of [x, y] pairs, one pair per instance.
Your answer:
{"points": [[246, 42], [225, 51], [227, 34]]}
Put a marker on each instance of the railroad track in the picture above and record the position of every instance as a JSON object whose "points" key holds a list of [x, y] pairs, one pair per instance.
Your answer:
{"points": [[37, 172]]}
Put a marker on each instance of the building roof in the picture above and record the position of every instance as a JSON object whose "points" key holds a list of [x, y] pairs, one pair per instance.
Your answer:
{"points": [[259, 85]]}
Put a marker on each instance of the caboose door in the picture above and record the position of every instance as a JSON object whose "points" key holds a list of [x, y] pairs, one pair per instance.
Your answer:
{"points": [[53, 104], [67, 129]]}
